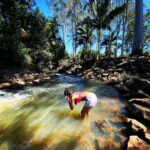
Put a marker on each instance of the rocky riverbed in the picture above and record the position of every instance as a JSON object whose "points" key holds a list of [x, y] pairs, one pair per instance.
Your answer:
{"points": [[130, 76]]}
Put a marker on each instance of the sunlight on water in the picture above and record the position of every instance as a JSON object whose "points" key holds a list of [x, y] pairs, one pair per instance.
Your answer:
{"points": [[42, 119]]}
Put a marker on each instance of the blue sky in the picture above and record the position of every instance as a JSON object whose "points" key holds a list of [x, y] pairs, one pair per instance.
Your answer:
{"points": [[44, 9]]}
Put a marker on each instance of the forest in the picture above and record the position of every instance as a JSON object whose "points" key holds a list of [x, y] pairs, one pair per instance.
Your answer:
{"points": [[97, 28], [99, 46]]}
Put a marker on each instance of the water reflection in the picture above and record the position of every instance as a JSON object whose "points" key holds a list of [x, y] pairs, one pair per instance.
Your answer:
{"points": [[42, 120]]}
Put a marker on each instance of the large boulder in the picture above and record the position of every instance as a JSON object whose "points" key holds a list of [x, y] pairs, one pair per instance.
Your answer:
{"points": [[135, 143], [136, 84], [141, 113], [136, 127], [141, 101]]}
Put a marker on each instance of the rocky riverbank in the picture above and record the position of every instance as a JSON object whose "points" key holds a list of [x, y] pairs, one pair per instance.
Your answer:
{"points": [[19, 78], [131, 77]]}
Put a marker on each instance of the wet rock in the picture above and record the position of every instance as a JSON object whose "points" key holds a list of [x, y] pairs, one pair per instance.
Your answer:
{"points": [[147, 137], [122, 140], [103, 125], [136, 127], [4, 85], [135, 143], [90, 75], [139, 112], [122, 88], [20, 81], [141, 101], [143, 84]]}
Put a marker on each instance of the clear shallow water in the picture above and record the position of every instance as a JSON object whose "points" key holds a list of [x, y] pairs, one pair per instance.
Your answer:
{"points": [[39, 118]]}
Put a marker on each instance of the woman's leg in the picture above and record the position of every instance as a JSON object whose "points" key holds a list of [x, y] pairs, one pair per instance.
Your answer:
{"points": [[85, 111]]}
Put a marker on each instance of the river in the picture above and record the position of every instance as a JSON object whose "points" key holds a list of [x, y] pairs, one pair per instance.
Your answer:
{"points": [[39, 118]]}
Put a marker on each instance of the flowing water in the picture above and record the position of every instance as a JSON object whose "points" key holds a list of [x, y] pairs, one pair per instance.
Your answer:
{"points": [[39, 118]]}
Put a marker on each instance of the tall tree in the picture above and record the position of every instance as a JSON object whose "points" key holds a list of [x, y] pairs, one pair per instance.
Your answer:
{"points": [[138, 29], [124, 28], [102, 15], [60, 9], [74, 19], [84, 36]]}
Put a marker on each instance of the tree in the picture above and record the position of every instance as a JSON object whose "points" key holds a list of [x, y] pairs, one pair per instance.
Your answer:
{"points": [[60, 8], [138, 29], [13, 16], [27, 37], [102, 16], [84, 36]]}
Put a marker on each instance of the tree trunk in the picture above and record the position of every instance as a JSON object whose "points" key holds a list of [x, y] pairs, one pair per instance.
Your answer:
{"points": [[138, 29], [74, 41], [124, 28], [98, 43]]}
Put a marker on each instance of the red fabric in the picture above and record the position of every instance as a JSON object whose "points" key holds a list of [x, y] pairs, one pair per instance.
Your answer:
{"points": [[79, 99]]}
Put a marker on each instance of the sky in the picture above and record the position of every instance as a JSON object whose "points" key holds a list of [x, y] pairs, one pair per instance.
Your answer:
{"points": [[44, 9]]}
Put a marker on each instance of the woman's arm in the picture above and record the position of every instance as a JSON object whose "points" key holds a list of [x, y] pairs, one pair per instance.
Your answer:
{"points": [[71, 104]]}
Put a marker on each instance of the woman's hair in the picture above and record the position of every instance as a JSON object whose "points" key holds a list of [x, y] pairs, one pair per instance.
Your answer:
{"points": [[67, 92]]}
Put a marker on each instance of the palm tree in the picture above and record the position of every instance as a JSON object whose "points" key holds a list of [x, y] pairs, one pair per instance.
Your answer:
{"points": [[138, 29], [102, 15], [84, 36]]}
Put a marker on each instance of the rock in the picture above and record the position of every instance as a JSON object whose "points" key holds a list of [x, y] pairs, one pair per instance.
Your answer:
{"points": [[69, 72], [113, 78], [135, 143], [20, 82], [102, 70], [116, 73], [36, 80], [105, 74], [104, 79], [142, 84], [90, 75], [120, 70], [103, 125], [99, 76], [110, 70], [96, 69], [141, 101], [147, 137], [25, 76], [141, 113], [122, 88], [122, 140], [136, 127], [129, 82], [4, 85]]}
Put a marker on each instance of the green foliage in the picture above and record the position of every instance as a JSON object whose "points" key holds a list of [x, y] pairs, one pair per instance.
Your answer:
{"points": [[102, 14], [24, 56], [43, 60], [125, 76], [87, 55], [27, 37], [84, 35], [147, 53]]}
